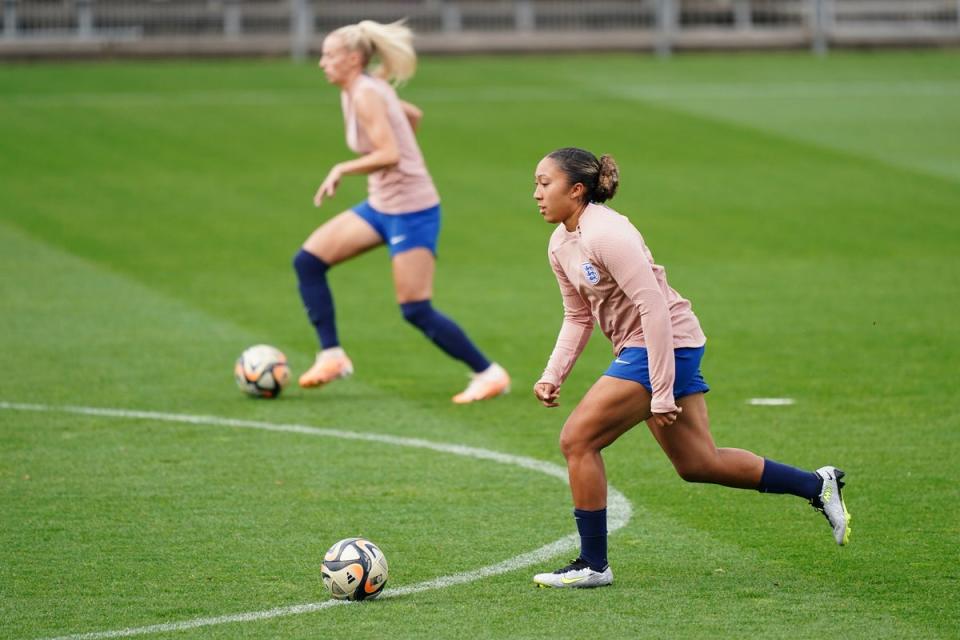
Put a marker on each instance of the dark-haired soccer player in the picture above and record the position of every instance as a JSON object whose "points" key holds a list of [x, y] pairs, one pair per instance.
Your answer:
{"points": [[607, 276]]}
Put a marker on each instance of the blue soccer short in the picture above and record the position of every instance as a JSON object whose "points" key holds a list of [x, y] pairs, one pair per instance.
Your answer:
{"points": [[403, 231], [632, 364]]}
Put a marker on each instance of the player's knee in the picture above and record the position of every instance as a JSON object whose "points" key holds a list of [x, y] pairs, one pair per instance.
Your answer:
{"points": [[571, 444], [309, 266], [566, 446]]}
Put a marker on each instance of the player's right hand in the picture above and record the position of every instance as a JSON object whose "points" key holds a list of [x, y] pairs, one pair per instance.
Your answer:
{"points": [[329, 186], [547, 394]]}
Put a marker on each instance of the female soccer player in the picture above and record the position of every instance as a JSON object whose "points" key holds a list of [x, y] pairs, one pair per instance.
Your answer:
{"points": [[402, 210], [607, 276]]}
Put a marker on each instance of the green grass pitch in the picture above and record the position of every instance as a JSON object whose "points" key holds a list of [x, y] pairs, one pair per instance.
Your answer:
{"points": [[809, 208]]}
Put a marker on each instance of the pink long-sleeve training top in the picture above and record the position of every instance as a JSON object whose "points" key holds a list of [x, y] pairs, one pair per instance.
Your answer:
{"points": [[607, 276], [406, 186]]}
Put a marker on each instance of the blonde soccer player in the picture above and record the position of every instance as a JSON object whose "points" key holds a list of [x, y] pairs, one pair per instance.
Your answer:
{"points": [[608, 277], [402, 210]]}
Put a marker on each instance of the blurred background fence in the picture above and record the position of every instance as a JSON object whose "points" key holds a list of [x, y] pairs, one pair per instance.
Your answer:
{"points": [[70, 28]]}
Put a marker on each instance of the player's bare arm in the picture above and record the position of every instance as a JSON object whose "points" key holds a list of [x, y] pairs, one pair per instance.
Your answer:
{"points": [[372, 117]]}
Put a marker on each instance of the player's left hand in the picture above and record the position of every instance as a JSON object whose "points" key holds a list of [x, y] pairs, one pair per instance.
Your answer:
{"points": [[329, 186]]}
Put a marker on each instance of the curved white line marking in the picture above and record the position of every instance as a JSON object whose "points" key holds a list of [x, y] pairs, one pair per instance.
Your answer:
{"points": [[619, 511]]}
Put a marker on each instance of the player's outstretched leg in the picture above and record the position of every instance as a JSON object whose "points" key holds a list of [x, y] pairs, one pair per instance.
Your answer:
{"points": [[690, 446], [489, 379], [830, 503], [576, 575]]}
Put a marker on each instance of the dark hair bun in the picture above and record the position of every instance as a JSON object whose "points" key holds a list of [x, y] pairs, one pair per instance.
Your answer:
{"points": [[608, 179], [600, 177]]}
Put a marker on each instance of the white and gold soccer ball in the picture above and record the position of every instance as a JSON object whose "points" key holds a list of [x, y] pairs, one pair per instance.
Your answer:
{"points": [[262, 371], [354, 569]]}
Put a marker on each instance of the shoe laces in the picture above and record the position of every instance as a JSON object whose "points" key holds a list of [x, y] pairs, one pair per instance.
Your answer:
{"points": [[817, 503], [575, 565]]}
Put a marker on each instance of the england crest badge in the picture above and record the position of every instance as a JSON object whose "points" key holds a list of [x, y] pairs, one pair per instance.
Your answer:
{"points": [[593, 277]]}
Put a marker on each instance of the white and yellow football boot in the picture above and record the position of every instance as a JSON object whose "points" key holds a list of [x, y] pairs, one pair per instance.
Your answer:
{"points": [[830, 503], [576, 575]]}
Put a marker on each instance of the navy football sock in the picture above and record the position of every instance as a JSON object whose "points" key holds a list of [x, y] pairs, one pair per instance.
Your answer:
{"points": [[445, 333], [592, 526], [315, 292], [782, 478]]}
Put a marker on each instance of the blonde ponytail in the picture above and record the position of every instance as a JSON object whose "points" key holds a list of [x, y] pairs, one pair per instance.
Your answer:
{"points": [[391, 44]]}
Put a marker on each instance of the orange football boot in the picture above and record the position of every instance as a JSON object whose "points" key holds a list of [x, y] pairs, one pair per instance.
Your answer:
{"points": [[490, 383], [331, 364]]}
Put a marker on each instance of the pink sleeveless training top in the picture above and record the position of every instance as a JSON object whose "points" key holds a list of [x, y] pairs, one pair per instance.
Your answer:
{"points": [[407, 186]]}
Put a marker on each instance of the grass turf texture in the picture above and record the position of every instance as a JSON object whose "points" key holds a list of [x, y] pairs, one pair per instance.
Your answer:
{"points": [[808, 208]]}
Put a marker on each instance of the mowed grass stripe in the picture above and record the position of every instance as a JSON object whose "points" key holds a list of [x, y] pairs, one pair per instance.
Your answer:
{"points": [[886, 122], [692, 94], [843, 192]]}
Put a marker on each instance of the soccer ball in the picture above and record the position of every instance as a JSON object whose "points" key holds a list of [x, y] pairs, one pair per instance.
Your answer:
{"points": [[262, 371], [354, 569]]}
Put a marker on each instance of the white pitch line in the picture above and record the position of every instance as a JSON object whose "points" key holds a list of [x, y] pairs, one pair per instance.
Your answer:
{"points": [[771, 402], [252, 616], [619, 511]]}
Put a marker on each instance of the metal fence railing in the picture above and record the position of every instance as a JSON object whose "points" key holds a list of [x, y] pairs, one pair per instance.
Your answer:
{"points": [[196, 27]]}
